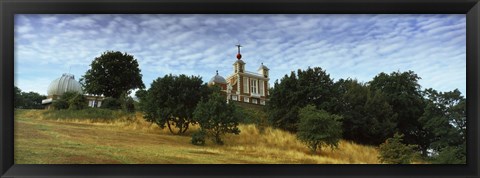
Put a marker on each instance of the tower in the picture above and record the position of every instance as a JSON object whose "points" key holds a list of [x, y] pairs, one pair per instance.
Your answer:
{"points": [[239, 65], [263, 70]]}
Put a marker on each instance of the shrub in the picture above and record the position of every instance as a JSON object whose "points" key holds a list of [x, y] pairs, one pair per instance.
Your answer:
{"points": [[393, 151], [111, 103], [60, 104], [318, 128], [77, 102], [198, 138]]}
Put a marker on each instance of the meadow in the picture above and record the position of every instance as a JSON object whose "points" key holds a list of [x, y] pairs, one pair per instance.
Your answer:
{"points": [[129, 139]]}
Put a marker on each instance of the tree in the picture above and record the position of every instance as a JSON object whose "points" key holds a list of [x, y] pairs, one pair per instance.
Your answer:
{"points": [[404, 95], [29, 100], [216, 117], [18, 100], [111, 103], [368, 118], [171, 100], [312, 86], [393, 151], [445, 120], [112, 74], [141, 95], [318, 128]]}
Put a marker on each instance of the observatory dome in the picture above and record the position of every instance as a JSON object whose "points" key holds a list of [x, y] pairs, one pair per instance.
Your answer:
{"points": [[217, 79], [66, 83]]}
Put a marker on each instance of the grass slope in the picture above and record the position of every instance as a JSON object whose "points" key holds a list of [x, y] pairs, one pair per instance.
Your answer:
{"points": [[131, 140]]}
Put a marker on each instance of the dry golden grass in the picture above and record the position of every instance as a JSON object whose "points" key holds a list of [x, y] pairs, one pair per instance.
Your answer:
{"points": [[132, 140]]}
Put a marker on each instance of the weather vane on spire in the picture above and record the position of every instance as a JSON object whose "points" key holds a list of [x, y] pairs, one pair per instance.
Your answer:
{"points": [[239, 56]]}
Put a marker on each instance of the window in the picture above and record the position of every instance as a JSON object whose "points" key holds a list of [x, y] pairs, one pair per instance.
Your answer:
{"points": [[254, 101], [260, 87], [246, 100], [234, 97], [262, 102], [245, 85], [253, 85]]}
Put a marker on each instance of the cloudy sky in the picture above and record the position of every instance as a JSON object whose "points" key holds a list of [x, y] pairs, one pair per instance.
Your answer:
{"points": [[354, 46]]}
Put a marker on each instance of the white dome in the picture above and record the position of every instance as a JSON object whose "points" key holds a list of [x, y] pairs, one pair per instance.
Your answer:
{"points": [[63, 84], [217, 79]]}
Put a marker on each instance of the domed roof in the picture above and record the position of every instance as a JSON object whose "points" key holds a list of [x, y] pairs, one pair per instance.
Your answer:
{"points": [[217, 79], [63, 84], [263, 67]]}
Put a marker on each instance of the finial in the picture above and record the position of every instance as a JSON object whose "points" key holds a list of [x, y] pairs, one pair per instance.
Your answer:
{"points": [[239, 56], [217, 72]]}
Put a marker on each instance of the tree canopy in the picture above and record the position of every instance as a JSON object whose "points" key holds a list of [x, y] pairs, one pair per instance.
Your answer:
{"points": [[318, 128], [27, 100], [112, 74], [311, 86], [171, 100], [216, 117]]}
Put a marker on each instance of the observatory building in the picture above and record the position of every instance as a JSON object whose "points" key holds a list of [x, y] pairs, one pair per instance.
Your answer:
{"points": [[67, 83], [244, 86]]}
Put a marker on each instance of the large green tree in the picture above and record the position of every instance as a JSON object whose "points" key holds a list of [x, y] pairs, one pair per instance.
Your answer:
{"points": [[445, 119], [216, 117], [312, 86], [404, 94], [171, 100], [368, 118], [112, 74]]}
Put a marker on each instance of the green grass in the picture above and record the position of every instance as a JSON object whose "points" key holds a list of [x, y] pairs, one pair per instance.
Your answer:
{"points": [[41, 140]]}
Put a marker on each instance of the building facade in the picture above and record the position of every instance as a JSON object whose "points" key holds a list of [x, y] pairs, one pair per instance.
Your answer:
{"points": [[242, 85]]}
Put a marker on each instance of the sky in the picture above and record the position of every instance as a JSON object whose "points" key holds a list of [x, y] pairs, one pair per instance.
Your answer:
{"points": [[346, 46]]}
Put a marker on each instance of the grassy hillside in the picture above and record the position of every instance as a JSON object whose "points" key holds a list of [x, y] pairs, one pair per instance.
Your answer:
{"points": [[128, 139]]}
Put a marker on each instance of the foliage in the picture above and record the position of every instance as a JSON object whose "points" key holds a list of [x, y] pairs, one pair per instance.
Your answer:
{"points": [[67, 100], [27, 100], [60, 104], [128, 105], [77, 102], [88, 113], [111, 103], [252, 116], [112, 74], [141, 95], [171, 101], [216, 117], [312, 86], [445, 119], [451, 155], [318, 128], [402, 91], [368, 118], [393, 151], [198, 138]]}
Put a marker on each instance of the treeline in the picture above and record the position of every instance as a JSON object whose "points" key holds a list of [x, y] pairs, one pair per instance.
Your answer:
{"points": [[433, 122], [27, 100]]}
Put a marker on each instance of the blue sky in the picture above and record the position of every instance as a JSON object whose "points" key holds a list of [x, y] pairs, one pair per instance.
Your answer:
{"points": [[354, 46]]}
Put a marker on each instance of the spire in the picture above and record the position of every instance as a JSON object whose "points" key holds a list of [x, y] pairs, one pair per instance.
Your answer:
{"points": [[239, 56], [217, 72]]}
